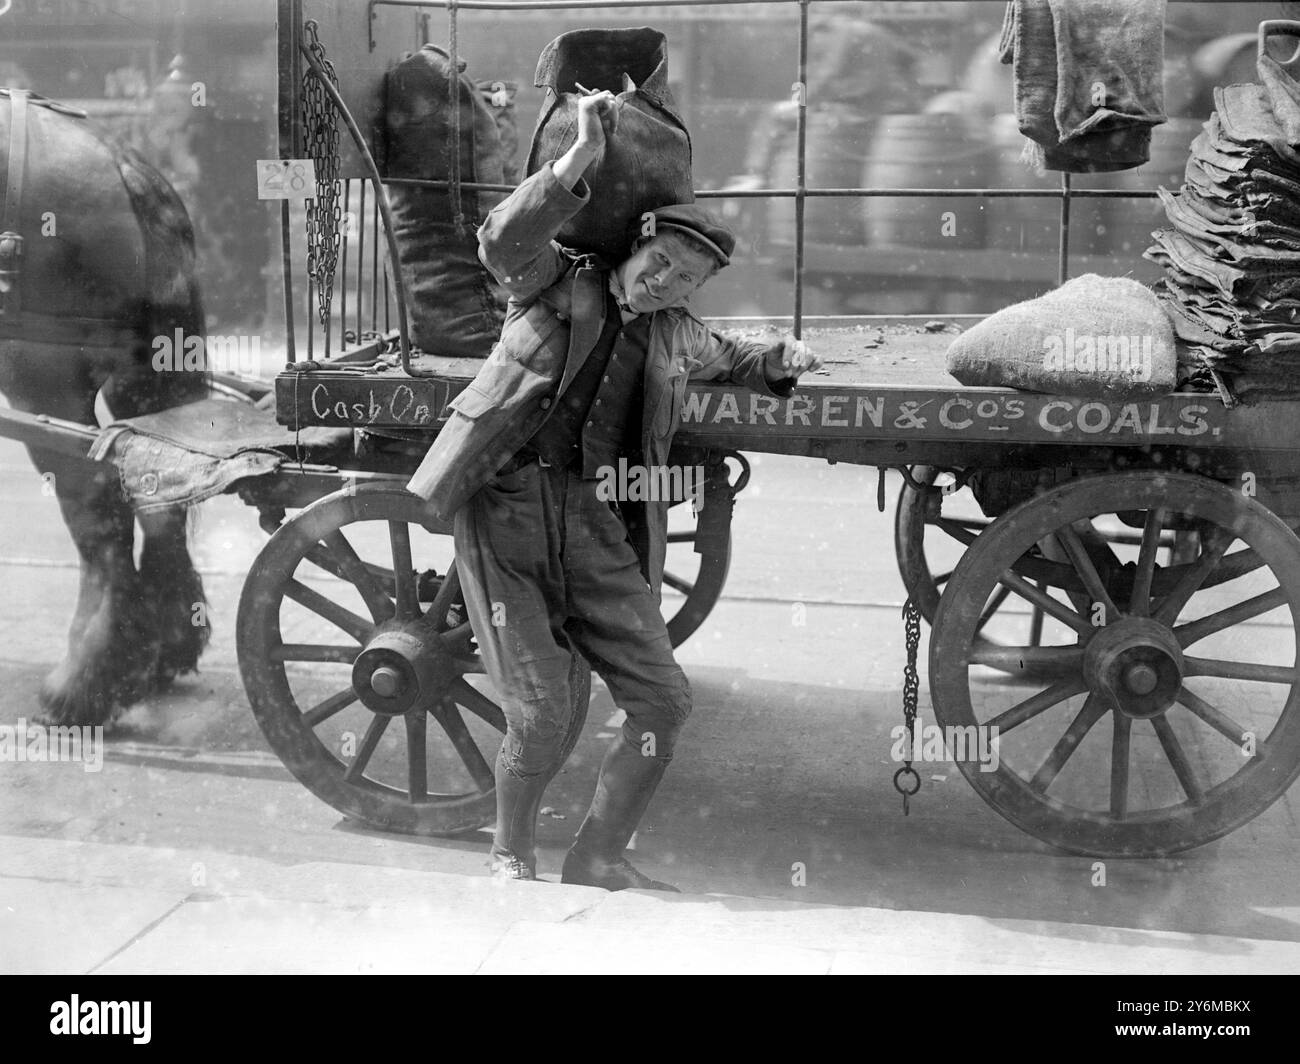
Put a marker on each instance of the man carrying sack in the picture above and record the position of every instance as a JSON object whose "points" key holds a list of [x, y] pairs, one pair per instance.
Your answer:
{"points": [[591, 367]]}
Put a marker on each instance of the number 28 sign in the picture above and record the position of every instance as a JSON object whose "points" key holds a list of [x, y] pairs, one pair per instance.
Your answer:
{"points": [[286, 179]]}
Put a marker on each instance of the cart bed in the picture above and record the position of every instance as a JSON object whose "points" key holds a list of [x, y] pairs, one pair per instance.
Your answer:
{"points": [[884, 399]]}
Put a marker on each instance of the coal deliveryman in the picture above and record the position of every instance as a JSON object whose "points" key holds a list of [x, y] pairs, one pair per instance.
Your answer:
{"points": [[591, 368]]}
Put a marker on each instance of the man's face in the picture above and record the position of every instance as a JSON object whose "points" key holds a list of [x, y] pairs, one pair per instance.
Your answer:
{"points": [[663, 273]]}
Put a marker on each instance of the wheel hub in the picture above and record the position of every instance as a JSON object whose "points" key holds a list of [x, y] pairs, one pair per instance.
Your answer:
{"points": [[1136, 664], [401, 665]]}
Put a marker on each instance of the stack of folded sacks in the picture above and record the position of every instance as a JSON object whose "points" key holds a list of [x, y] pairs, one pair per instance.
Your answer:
{"points": [[1232, 257]]}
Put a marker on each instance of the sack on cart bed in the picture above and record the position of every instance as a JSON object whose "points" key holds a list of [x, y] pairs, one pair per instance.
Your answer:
{"points": [[1100, 337]]}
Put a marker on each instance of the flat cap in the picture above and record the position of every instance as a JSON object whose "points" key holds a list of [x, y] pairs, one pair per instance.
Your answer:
{"points": [[695, 220]]}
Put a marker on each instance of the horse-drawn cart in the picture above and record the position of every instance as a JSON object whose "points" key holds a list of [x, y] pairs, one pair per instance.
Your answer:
{"points": [[1101, 613]]}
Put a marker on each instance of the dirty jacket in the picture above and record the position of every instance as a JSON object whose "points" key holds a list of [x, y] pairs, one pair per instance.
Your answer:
{"points": [[554, 318]]}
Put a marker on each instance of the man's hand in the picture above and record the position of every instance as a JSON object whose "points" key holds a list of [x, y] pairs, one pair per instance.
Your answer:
{"points": [[597, 119], [789, 358]]}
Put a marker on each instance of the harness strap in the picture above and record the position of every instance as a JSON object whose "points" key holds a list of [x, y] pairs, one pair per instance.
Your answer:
{"points": [[11, 240], [64, 331]]}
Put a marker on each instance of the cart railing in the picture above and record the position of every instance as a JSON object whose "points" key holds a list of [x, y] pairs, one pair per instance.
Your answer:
{"points": [[364, 308]]}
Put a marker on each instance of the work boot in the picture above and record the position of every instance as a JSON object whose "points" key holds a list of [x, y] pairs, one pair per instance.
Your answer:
{"points": [[514, 853], [627, 783]]}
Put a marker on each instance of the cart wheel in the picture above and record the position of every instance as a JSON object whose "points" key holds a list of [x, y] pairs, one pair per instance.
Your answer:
{"points": [[698, 592], [915, 511], [694, 578], [918, 512], [1196, 744], [335, 647]]}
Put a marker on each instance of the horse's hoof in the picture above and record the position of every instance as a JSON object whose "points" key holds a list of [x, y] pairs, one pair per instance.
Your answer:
{"points": [[179, 654], [62, 704], [93, 686], [180, 615]]}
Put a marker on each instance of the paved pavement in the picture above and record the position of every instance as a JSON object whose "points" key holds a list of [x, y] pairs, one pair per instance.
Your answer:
{"points": [[124, 909]]}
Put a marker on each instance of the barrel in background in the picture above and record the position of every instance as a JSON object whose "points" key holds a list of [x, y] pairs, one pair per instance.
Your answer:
{"points": [[939, 151], [837, 140], [1030, 224]]}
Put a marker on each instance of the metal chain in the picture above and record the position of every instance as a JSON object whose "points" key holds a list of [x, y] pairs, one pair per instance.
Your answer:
{"points": [[324, 212], [911, 690], [453, 126]]}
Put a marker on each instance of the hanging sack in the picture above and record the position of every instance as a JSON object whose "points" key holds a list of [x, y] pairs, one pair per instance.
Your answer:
{"points": [[646, 163], [455, 307]]}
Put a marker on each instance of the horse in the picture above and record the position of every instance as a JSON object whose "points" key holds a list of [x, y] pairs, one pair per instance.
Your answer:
{"points": [[96, 261]]}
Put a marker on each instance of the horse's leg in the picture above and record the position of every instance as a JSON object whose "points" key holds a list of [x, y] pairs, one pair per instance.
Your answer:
{"points": [[174, 591], [112, 643], [170, 584], [112, 651]]}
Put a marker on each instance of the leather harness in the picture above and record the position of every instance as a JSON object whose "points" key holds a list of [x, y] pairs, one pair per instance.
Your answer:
{"points": [[11, 240]]}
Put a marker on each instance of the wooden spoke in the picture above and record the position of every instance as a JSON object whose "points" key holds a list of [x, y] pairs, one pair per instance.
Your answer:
{"points": [[383, 576], [1044, 601], [1068, 538], [1216, 719], [314, 652], [1119, 766], [369, 741], [399, 538], [1197, 573], [995, 604], [942, 578], [1239, 670], [446, 595], [1036, 704], [1178, 759], [456, 640], [463, 693], [1139, 602], [334, 704], [1036, 627], [417, 757], [1238, 564], [454, 725], [1094, 708], [959, 530], [340, 559], [340, 616], [682, 537], [678, 584], [1039, 658], [321, 557], [1197, 630]]}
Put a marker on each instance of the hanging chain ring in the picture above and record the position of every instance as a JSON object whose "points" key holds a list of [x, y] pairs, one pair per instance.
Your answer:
{"points": [[324, 212], [911, 693], [907, 772]]}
